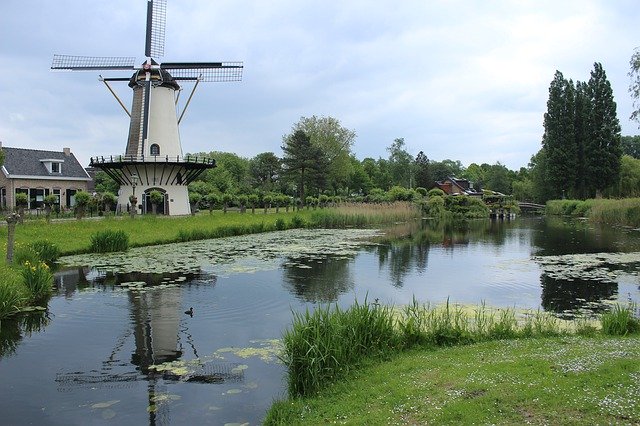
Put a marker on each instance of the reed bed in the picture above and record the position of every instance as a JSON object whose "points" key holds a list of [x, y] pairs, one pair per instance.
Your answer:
{"points": [[624, 212], [325, 345], [362, 215]]}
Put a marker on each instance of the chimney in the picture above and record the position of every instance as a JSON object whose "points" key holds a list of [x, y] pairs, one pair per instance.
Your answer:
{"points": [[67, 151]]}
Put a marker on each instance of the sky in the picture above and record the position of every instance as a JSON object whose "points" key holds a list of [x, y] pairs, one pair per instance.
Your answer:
{"points": [[461, 80]]}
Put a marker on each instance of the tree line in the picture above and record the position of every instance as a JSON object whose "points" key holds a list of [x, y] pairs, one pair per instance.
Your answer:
{"points": [[582, 155]]}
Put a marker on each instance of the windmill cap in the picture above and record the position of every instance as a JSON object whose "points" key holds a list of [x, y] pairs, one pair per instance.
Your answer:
{"points": [[157, 74]]}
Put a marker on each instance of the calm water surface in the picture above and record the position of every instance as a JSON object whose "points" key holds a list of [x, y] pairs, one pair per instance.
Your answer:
{"points": [[107, 353]]}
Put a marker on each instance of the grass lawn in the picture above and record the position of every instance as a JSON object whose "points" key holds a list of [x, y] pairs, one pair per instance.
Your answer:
{"points": [[567, 380]]}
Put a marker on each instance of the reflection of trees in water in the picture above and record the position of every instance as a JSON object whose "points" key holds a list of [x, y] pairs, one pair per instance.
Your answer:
{"points": [[561, 296], [555, 236], [12, 330], [403, 259], [318, 280]]}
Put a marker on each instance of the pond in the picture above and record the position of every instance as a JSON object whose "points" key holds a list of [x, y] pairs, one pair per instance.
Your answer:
{"points": [[119, 343]]}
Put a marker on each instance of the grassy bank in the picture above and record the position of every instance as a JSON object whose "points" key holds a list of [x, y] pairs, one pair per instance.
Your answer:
{"points": [[567, 380], [623, 212], [330, 345]]}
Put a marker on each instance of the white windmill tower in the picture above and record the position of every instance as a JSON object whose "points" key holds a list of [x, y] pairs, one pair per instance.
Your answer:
{"points": [[153, 159]]}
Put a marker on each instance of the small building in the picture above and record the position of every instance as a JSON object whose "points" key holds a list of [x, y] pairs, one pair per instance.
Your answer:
{"points": [[455, 186], [40, 173]]}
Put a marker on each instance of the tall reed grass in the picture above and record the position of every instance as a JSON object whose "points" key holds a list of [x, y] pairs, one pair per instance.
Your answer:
{"points": [[108, 241], [327, 343], [324, 345], [620, 321], [625, 212], [362, 215]]}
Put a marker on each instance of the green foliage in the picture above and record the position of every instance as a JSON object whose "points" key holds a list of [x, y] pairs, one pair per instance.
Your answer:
{"points": [[620, 321], [265, 170], [398, 193], [435, 206], [298, 222], [303, 163], [630, 145], [280, 224], [21, 199], [634, 87], [108, 241], [580, 155], [38, 280], [109, 199], [330, 144], [194, 198], [45, 251], [463, 206], [436, 192], [324, 345], [25, 253], [625, 212], [104, 183], [50, 200], [551, 380], [212, 200], [222, 231], [422, 191], [629, 182], [82, 198], [400, 163], [156, 197], [11, 298]]}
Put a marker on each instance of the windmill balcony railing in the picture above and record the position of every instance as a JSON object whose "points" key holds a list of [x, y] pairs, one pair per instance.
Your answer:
{"points": [[192, 159]]}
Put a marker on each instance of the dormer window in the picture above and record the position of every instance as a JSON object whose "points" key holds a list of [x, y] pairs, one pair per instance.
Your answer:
{"points": [[53, 166], [155, 149]]}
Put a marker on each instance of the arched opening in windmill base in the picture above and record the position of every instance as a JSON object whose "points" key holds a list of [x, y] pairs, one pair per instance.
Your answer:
{"points": [[148, 206]]}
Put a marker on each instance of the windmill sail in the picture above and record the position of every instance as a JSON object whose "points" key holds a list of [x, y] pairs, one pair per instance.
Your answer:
{"points": [[92, 63], [204, 71], [156, 23]]}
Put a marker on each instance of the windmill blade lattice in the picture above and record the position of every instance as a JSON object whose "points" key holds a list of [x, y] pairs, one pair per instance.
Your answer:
{"points": [[156, 23], [204, 71], [92, 63]]}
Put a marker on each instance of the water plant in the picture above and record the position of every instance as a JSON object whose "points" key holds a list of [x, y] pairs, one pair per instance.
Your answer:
{"points": [[38, 280], [10, 298], [327, 343], [108, 241], [620, 321], [45, 250]]}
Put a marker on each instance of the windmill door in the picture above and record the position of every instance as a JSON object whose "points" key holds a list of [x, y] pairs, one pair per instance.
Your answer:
{"points": [[147, 202]]}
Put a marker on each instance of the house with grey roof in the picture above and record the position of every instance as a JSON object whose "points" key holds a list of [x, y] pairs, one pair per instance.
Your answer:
{"points": [[40, 173], [455, 186]]}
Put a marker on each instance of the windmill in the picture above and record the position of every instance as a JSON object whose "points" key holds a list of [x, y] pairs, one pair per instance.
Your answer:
{"points": [[153, 158]]}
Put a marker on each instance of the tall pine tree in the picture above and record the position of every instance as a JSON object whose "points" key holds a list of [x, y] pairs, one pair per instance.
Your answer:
{"points": [[558, 141], [603, 151], [582, 106]]}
